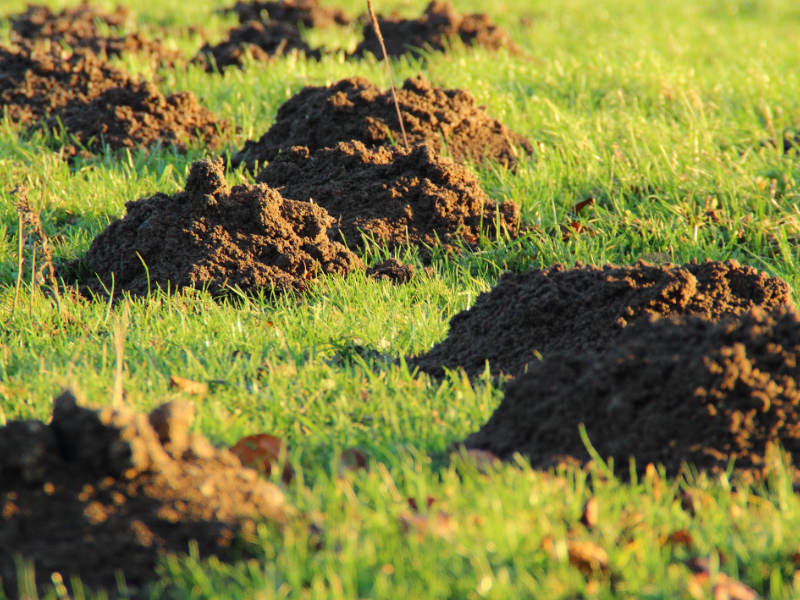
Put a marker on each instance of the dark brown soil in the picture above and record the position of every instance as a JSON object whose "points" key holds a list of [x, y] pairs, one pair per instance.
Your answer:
{"points": [[34, 81], [689, 390], [136, 115], [214, 236], [308, 13], [78, 27], [355, 109], [100, 491], [438, 25], [263, 41], [392, 195], [581, 310], [392, 270]]}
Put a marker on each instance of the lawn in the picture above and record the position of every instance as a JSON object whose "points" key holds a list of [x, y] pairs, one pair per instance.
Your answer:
{"points": [[661, 112]]}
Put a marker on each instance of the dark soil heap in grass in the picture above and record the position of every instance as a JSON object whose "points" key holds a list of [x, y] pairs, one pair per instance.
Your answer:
{"points": [[38, 80], [666, 392], [264, 41], [439, 24], [78, 28], [97, 491], [308, 13], [393, 195], [136, 115], [215, 236], [581, 310], [355, 109]]}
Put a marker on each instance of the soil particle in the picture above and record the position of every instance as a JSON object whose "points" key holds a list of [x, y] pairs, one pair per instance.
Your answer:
{"points": [[136, 115], [308, 13], [438, 25], [34, 81], [263, 41], [214, 236], [355, 109], [392, 270], [101, 491], [668, 391], [582, 309], [394, 196]]}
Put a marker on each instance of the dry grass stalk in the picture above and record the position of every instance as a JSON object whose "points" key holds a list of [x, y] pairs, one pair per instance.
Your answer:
{"points": [[32, 235]]}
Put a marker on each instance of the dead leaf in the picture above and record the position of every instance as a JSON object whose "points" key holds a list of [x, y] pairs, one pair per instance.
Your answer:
{"points": [[261, 451], [679, 538], [589, 518], [195, 388], [587, 557], [582, 204]]}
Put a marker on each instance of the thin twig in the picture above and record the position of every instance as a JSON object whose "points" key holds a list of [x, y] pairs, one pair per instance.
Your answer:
{"points": [[377, 29]]}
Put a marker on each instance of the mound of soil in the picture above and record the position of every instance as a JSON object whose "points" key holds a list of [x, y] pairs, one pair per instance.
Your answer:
{"points": [[100, 491], [135, 115], [355, 109], [263, 41], [35, 81], [80, 27], [214, 236], [438, 25], [394, 196], [581, 310], [308, 13], [668, 391]]}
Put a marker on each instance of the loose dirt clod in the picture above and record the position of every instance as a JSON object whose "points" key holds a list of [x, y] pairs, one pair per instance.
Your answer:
{"points": [[215, 236], [355, 109], [667, 391], [308, 13], [438, 25], [392, 270], [136, 115], [100, 491], [582, 309], [394, 196], [37, 80], [263, 41]]}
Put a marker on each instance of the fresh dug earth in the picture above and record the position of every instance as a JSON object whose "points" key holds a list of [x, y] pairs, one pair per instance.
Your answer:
{"points": [[308, 13], [668, 391], [263, 41], [78, 27], [438, 25], [136, 115], [581, 310], [392, 195], [37, 80], [100, 491], [355, 109], [214, 236]]}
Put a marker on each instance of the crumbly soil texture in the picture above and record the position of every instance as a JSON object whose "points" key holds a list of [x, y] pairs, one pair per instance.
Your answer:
{"points": [[135, 115], [216, 237], [355, 109], [36, 80], [81, 27], [434, 30], [97, 492], [393, 196], [308, 13], [581, 310], [669, 391], [262, 41]]}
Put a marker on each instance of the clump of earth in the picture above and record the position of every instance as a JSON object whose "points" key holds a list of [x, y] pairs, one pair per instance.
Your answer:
{"points": [[308, 13], [668, 391], [579, 311], [40, 79], [81, 27], [355, 109], [135, 115], [392, 196], [100, 491], [214, 236], [262, 41], [434, 30]]}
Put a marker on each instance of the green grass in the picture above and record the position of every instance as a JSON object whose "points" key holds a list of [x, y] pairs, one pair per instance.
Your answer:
{"points": [[657, 110]]}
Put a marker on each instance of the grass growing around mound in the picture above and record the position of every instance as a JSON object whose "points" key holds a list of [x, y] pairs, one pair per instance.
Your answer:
{"points": [[657, 111]]}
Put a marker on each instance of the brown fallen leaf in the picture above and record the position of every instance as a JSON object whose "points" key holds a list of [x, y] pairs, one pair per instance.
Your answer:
{"points": [[679, 538], [195, 388], [589, 517], [261, 452], [587, 557]]}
